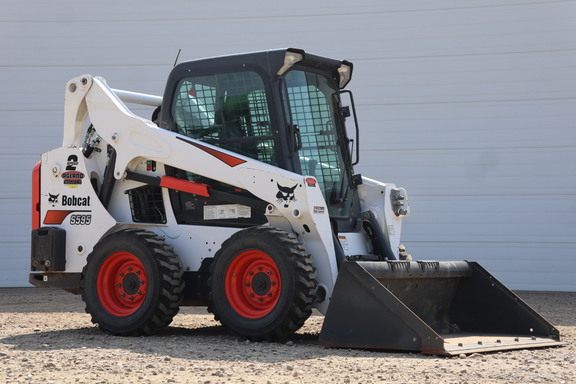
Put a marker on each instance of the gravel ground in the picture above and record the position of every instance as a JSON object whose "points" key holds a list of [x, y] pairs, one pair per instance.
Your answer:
{"points": [[45, 337]]}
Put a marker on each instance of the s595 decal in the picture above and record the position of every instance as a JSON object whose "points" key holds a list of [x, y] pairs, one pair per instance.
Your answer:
{"points": [[80, 219]]}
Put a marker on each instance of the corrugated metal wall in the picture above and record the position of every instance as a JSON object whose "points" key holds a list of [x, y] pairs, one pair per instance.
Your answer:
{"points": [[470, 105]]}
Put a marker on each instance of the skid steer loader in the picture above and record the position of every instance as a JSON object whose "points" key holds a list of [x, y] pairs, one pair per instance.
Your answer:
{"points": [[240, 194]]}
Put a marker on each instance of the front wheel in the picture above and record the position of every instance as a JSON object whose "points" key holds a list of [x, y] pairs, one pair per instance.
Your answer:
{"points": [[132, 283], [263, 283]]}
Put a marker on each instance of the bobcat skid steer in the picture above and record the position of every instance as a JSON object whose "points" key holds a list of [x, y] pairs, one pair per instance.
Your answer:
{"points": [[240, 195]]}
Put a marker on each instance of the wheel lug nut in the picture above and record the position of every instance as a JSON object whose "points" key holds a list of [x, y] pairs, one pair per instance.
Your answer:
{"points": [[251, 295], [247, 284], [121, 274], [269, 272], [118, 285], [122, 295], [131, 298], [129, 269], [260, 299], [138, 272], [269, 294], [251, 273], [260, 268]]}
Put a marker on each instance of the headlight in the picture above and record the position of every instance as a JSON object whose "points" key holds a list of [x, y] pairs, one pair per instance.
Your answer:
{"points": [[290, 59], [399, 200], [345, 72]]}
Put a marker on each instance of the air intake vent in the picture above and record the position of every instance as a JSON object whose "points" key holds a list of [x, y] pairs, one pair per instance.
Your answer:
{"points": [[147, 205]]}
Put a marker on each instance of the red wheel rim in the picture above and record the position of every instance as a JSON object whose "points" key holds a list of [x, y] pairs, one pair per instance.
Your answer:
{"points": [[253, 284], [121, 284]]}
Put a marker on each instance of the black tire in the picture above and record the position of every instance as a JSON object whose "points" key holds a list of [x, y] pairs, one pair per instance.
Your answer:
{"points": [[263, 284], [132, 283]]}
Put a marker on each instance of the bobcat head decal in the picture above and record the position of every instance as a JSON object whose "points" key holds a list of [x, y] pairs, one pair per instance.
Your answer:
{"points": [[285, 194], [53, 199]]}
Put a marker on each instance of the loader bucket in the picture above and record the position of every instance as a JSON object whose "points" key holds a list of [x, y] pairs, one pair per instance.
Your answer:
{"points": [[440, 308]]}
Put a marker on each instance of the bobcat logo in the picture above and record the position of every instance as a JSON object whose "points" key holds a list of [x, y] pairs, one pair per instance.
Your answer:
{"points": [[285, 194], [53, 199]]}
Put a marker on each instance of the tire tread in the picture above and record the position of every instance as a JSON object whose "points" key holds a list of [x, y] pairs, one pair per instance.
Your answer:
{"points": [[300, 308], [170, 280]]}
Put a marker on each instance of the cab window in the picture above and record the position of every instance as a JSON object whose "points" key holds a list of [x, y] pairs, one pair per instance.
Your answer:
{"points": [[229, 110]]}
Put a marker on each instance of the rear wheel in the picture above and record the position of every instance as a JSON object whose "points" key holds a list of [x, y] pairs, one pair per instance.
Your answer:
{"points": [[132, 283], [263, 283]]}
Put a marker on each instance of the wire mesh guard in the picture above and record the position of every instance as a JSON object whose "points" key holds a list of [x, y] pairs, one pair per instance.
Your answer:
{"points": [[147, 205], [311, 99], [311, 112], [229, 110]]}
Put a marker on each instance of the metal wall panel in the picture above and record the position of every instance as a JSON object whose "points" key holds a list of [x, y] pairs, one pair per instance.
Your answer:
{"points": [[470, 105]]}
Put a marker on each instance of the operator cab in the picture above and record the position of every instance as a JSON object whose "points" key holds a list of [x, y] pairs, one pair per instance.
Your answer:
{"points": [[281, 107]]}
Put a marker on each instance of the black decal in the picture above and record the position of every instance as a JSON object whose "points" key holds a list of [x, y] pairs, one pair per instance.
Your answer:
{"points": [[73, 175], [80, 219], [53, 199], [72, 178], [72, 163], [285, 194], [71, 201]]}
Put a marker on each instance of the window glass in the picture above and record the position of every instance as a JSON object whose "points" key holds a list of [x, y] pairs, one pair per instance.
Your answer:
{"points": [[229, 110], [311, 99]]}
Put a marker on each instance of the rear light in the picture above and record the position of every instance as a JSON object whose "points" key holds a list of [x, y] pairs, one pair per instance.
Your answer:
{"points": [[36, 196], [311, 181]]}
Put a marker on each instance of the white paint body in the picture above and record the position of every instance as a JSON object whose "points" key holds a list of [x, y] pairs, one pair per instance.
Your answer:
{"points": [[136, 140]]}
